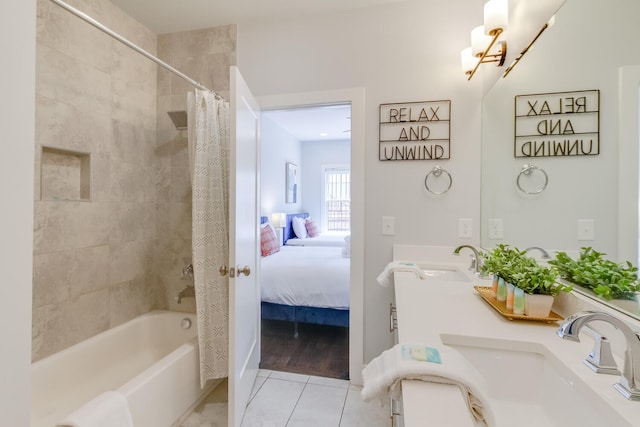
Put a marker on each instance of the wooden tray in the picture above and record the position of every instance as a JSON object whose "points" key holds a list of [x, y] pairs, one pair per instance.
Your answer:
{"points": [[501, 307]]}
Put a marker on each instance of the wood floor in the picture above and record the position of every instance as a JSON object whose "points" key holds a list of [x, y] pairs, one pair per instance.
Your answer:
{"points": [[319, 350]]}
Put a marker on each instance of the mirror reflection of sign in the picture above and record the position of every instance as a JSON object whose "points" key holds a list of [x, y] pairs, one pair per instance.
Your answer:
{"points": [[557, 124], [415, 131]]}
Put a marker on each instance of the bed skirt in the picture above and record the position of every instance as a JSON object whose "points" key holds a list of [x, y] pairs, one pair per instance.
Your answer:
{"points": [[301, 314]]}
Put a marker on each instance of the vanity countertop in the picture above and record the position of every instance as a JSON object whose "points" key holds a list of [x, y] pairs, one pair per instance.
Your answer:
{"points": [[427, 310]]}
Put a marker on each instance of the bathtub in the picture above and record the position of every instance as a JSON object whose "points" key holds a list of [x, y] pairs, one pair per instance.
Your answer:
{"points": [[152, 360]]}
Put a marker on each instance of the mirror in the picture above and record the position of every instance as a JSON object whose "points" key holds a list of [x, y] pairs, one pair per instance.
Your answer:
{"points": [[583, 50]]}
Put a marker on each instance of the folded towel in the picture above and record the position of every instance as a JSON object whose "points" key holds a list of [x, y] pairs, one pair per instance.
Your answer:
{"points": [[383, 375], [386, 277], [109, 409]]}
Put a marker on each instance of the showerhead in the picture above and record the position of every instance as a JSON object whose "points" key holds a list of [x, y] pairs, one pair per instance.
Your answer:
{"points": [[179, 119]]}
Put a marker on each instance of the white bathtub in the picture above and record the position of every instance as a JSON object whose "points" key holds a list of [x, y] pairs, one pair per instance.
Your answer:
{"points": [[151, 359]]}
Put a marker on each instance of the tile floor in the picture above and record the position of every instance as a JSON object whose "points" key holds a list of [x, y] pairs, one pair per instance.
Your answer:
{"points": [[281, 399]]}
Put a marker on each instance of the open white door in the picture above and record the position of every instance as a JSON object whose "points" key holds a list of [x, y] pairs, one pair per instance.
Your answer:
{"points": [[244, 292]]}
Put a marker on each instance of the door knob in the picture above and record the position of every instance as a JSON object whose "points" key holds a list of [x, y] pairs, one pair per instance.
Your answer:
{"points": [[243, 270], [223, 270]]}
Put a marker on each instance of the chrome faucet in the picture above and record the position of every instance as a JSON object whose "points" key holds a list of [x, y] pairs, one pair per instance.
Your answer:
{"points": [[187, 272], [630, 378], [545, 254], [475, 258]]}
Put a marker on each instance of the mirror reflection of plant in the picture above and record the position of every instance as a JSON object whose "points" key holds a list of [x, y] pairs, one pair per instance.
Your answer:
{"points": [[523, 271], [606, 278]]}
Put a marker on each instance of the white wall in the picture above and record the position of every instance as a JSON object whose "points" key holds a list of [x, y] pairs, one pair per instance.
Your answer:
{"points": [[315, 156], [277, 147], [17, 42], [404, 52]]}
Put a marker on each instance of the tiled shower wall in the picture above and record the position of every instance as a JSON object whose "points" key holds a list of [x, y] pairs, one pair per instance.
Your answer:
{"points": [[110, 232], [205, 56]]}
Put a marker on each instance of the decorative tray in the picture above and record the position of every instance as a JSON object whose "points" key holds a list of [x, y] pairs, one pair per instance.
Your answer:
{"points": [[501, 307]]}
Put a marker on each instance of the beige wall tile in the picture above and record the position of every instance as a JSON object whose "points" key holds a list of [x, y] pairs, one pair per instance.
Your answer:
{"points": [[71, 81], [58, 326], [132, 221], [70, 225], [66, 33], [60, 275], [130, 261], [173, 221], [129, 300]]}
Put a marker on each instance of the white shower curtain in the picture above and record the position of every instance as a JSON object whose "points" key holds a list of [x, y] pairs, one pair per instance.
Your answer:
{"points": [[208, 131]]}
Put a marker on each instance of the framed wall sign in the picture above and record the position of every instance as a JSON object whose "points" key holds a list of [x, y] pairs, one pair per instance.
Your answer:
{"points": [[557, 124], [292, 183], [415, 131]]}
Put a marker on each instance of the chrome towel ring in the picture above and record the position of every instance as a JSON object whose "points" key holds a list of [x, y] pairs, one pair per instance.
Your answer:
{"points": [[437, 171], [527, 170]]}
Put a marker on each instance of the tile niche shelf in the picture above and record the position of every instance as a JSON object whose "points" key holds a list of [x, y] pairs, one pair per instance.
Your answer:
{"points": [[65, 175]]}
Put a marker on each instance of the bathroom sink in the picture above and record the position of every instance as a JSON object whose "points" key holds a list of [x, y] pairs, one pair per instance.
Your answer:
{"points": [[447, 273], [529, 386]]}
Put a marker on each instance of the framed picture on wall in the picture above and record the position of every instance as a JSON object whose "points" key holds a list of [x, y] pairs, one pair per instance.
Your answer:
{"points": [[292, 183]]}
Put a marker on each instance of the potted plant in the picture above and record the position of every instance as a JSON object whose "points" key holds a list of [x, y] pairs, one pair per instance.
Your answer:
{"points": [[538, 282], [603, 277], [540, 286]]}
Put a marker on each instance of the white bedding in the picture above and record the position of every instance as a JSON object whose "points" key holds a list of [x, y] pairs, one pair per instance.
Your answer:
{"points": [[313, 276], [324, 239]]}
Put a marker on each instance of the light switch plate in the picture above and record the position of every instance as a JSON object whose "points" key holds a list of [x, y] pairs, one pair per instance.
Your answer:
{"points": [[496, 230], [465, 228], [388, 225]]}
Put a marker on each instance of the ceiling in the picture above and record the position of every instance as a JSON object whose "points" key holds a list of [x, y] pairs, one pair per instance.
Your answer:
{"points": [[321, 123], [170, 16]]}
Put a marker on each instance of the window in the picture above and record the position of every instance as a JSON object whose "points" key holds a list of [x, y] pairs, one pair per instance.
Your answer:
{"points": [[337, 199]]}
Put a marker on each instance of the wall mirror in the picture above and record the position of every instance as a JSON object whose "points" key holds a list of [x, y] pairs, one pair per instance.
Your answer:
{"points": [[583, 50]]}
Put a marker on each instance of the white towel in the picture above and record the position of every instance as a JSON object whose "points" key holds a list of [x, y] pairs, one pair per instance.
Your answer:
{"points": [[109, 409], [383, 376], [386, 277]]}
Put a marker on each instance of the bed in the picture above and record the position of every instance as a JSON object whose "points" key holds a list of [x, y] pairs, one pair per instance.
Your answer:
{"points": [[308, 284], [324, 239]]}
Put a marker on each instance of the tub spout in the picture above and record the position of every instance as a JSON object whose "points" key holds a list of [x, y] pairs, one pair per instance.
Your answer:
{"points": [[187, 292], [630, 379]]}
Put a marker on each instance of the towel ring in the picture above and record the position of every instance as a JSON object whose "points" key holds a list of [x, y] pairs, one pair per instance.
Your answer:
{"points": [[527, 170], [437, 171]]}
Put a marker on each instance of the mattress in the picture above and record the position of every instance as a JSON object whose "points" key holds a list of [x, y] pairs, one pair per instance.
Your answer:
{"points": [[312, 276]]}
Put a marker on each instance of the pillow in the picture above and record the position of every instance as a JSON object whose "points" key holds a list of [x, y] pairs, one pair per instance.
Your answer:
{"points": [[268, 240], [299, 227], [312, 228]]}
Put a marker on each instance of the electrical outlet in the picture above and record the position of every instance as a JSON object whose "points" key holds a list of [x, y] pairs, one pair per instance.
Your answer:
{"points": [[586, 229], [495, 228], [465, 228], [388, 225]]}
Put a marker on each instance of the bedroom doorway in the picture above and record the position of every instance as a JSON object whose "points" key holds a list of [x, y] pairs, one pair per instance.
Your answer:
{"points": [[319, 349]]}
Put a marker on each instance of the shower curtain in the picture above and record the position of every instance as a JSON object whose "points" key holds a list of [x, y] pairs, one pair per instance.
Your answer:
{"points": [[208, 134]]}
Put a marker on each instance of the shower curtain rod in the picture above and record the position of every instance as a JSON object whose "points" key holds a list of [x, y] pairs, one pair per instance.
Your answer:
{"points": [[133, 46]]}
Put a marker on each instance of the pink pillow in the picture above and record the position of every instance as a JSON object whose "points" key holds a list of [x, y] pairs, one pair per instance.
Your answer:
{"points": [[268, 240], [312, 228]]}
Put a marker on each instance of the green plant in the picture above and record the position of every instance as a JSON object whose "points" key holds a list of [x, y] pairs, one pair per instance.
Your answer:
{"points": [[605, 278], [523, 271]]}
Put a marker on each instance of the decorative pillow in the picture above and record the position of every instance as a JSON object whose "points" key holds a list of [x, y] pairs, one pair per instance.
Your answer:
{"points": [[269, 244], [299, 227], [312, 228]]}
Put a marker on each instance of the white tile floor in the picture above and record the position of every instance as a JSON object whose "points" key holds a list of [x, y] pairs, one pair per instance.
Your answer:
{"points": [[281, 399]]}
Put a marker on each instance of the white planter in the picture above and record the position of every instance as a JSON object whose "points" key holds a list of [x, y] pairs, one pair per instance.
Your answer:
{"points": [[537, 305]]}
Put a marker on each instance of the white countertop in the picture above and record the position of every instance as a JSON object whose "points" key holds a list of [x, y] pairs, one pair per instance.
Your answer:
{"points": [[427, 310]]}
